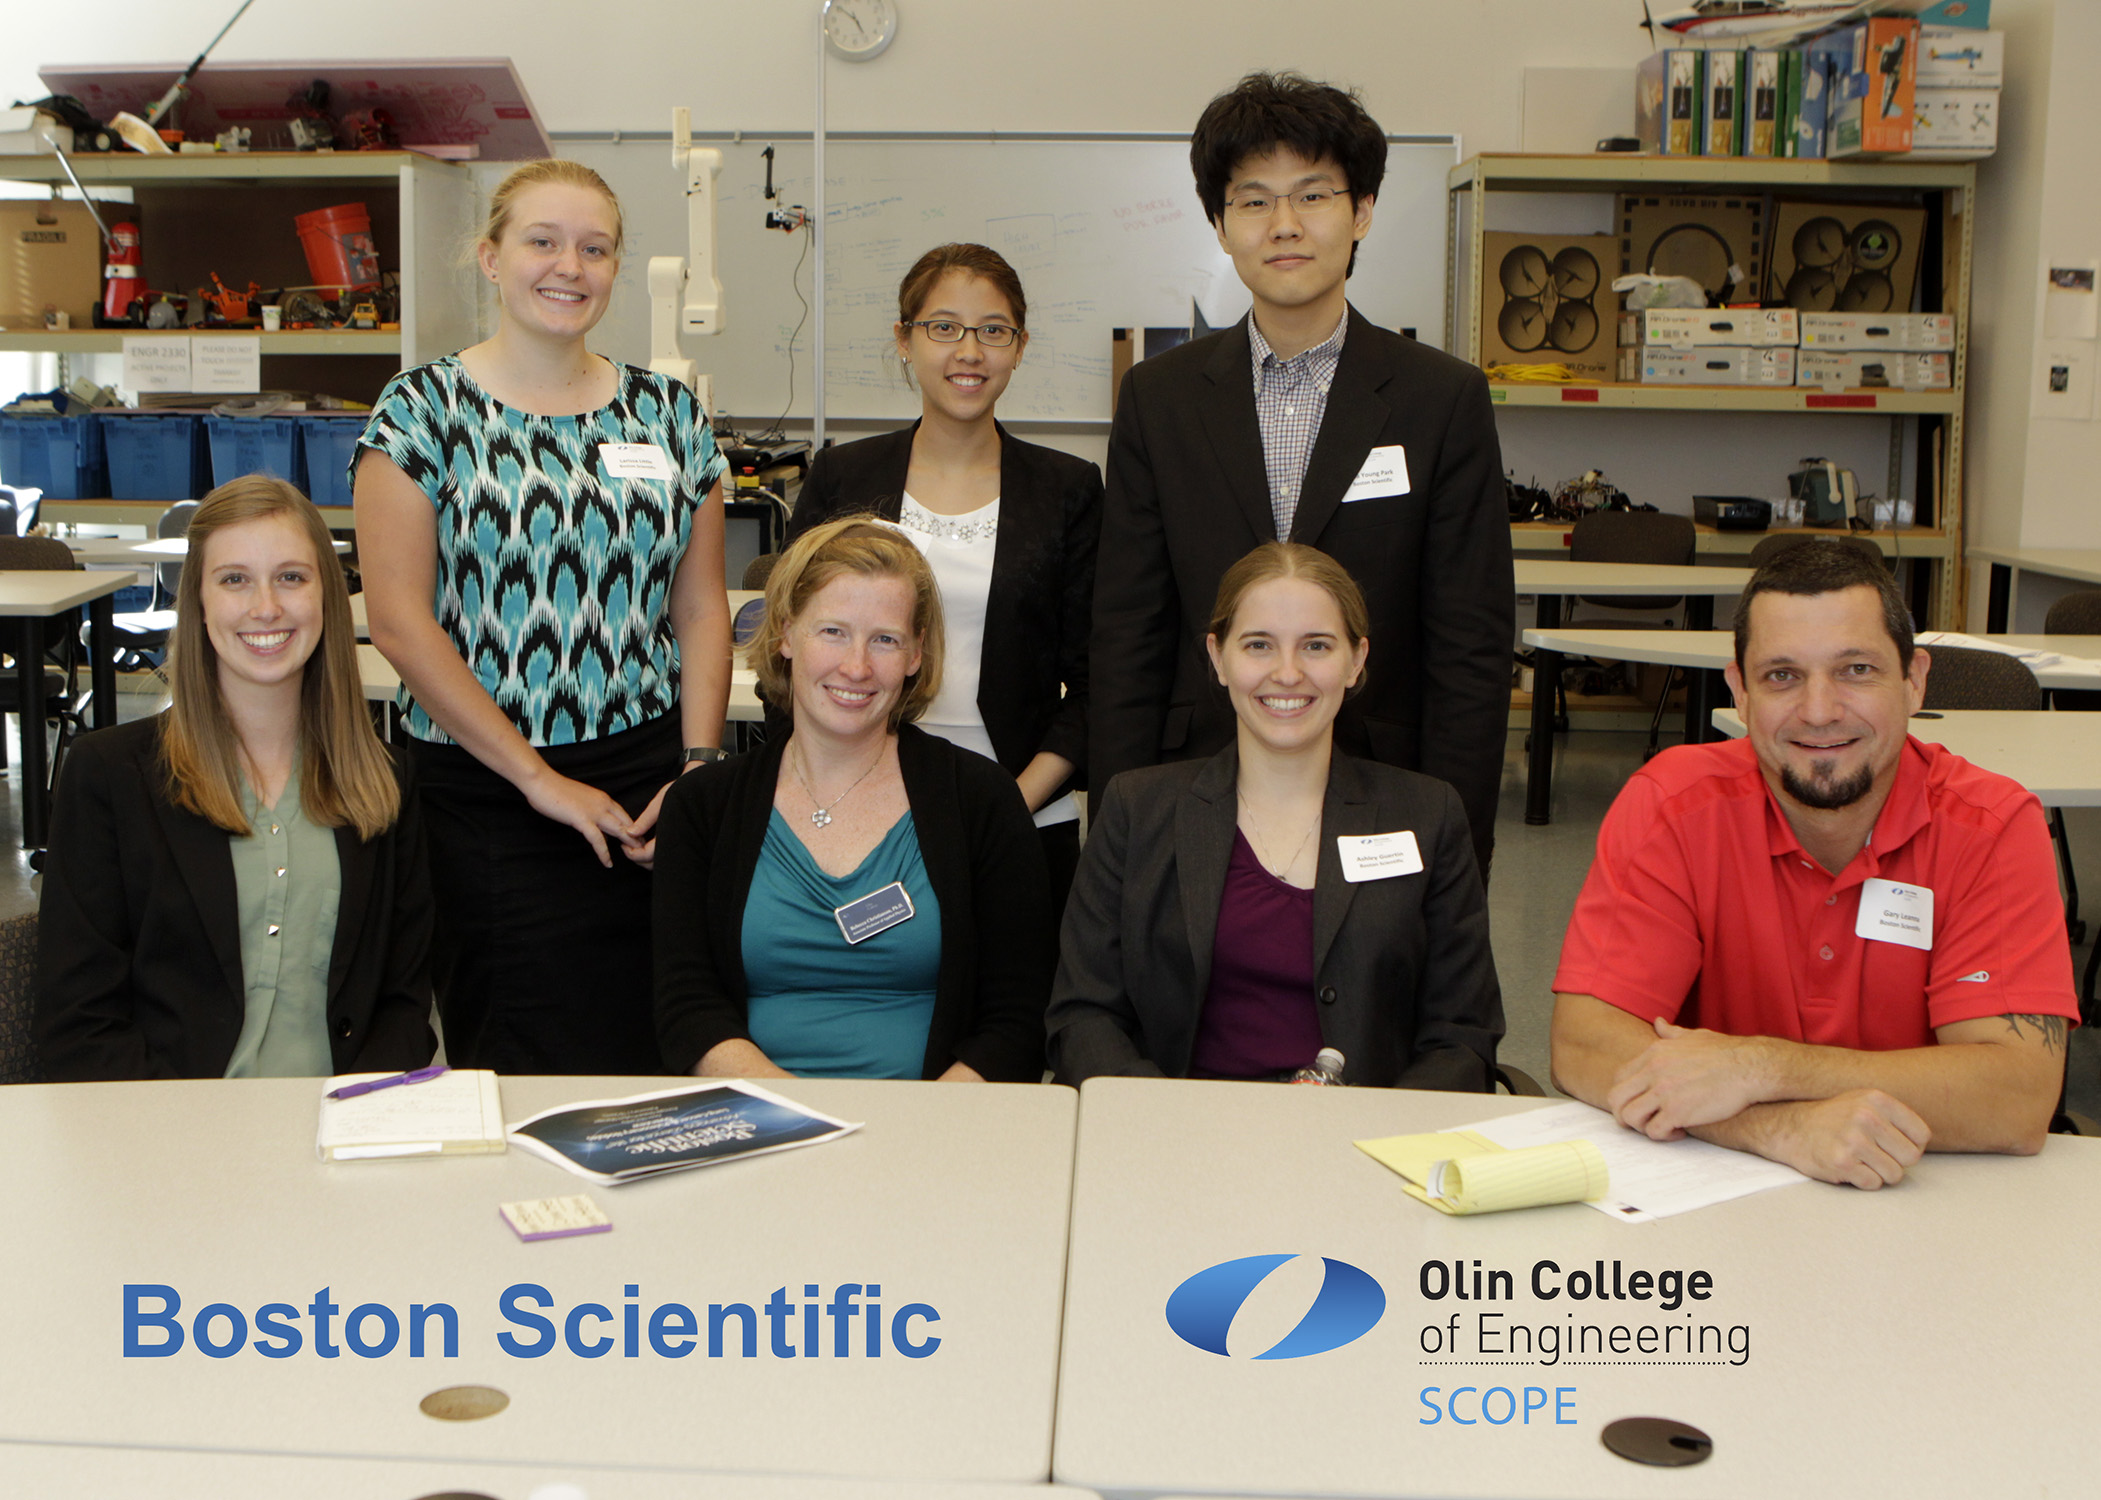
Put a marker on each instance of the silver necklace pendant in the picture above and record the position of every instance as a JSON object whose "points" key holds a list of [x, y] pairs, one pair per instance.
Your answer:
{"points": [[820, 817]]}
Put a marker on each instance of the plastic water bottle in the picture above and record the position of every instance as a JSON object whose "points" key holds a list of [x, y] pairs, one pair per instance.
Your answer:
{"points": [[1326, 1068]]}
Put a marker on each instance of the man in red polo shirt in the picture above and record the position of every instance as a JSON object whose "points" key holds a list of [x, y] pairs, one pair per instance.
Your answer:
{"points": [[1828, 943]]}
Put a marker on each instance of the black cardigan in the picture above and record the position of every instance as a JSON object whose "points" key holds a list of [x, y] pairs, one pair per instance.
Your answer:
{"points": [[1041, 608], [982, 858], [140, 942]]}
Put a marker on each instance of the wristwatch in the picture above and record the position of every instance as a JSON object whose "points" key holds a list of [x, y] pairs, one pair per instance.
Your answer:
{"points": [[702, 755]]}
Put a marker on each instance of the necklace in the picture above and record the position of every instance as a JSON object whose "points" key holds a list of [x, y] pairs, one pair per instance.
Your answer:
{"points": [[821, 815], [1262, 844]]}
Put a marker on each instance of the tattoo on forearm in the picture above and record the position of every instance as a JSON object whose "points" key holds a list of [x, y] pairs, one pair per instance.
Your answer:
{"points": [[2050, 1028]]}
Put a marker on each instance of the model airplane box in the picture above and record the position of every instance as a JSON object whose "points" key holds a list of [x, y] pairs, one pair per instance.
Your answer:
{"points": [[1852, 369], [1762, 102], [1717, 366], [1721, 126], [1666, 102], [50, 260], [1548, 299], [1871, 115], [1954, 57], [1955, 124]]}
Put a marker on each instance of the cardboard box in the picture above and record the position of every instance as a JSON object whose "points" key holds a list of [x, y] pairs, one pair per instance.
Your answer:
{"points": [[1887, 369], [1754, 327], [1762, 102], [1703, 237], [1927, 331], [1955, 57], [1813, 109], [1721, 124], [50, 257], [1845, 257], [1666, 102], [1873, 107], [1957, 124], [1548, 299], [1717, 366]]}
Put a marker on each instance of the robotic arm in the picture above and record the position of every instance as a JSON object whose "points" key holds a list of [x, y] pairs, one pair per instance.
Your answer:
{"points": [[685, 293]]}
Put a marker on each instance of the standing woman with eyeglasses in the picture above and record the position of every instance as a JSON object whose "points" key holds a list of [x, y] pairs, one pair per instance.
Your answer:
{"points": [[1008, 527], [541, 534]]}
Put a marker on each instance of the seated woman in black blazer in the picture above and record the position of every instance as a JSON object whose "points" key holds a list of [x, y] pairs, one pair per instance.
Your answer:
{"points": [[1233, 916], [1009, 528], [236, 888], [858, 898]]}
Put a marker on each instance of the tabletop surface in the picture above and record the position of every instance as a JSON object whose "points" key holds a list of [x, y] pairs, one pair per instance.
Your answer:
{"points": [[2083, 563], [1893, 1343], [1557, 575], [953, 1198], [47, 591], [1716, 648], [2056, 756], [140, 551]]}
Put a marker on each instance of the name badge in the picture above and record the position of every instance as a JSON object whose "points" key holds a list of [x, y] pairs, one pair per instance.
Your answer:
{"points": [[635, 461], [878, 911], [1385, 472], [1893, 913], [1378, 856]]}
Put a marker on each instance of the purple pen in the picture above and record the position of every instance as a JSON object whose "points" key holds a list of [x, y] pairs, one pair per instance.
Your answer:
{"points": [[420, 1075]]}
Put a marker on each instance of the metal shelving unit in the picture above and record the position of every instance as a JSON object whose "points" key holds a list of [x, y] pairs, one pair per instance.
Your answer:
{"points": [[1945, 189]]}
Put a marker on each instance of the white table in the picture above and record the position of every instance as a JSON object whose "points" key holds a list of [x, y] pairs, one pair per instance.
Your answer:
{"points": [[953, 1197], [1548, 581], [104, 551], [1711, 650], [1926, 1341], [2081, 564], [2055, 756], [30, 598], [66, 1472]]}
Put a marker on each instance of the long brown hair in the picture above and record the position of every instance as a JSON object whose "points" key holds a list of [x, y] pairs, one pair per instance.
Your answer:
{"points": [[872, 549], [345, 777]]}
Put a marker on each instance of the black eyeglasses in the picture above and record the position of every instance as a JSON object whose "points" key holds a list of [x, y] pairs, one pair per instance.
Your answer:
{"points": [[948, 331]]}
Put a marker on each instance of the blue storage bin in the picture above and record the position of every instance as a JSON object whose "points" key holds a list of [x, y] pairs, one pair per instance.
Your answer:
{"points": [[255, 445], [331, 443], [62, 456], [156, 456]]}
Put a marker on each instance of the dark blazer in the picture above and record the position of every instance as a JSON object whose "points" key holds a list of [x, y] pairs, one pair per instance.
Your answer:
{"points": [[1188, 496], [140, 943], [982, 857], [1039, 613], [1405, 983]]}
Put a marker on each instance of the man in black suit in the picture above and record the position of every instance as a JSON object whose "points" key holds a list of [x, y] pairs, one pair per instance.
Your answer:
{"points": [[1304, 422]]}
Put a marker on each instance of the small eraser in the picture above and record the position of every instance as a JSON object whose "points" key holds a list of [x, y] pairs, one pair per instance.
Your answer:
{"points": [[555, 1218]]}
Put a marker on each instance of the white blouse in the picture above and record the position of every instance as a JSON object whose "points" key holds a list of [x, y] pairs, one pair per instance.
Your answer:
{"points": [[959, 549]]}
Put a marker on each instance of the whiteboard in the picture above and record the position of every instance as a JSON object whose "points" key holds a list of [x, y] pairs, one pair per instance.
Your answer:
{"points": [[1106, 232]]}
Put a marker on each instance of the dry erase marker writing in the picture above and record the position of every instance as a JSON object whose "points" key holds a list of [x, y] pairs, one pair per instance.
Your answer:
{"points": [[420, 1075]]}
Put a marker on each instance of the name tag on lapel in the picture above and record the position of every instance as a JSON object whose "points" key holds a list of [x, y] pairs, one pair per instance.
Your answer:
{"points": [[1378, 856], [1385, 472], [635, 461]]}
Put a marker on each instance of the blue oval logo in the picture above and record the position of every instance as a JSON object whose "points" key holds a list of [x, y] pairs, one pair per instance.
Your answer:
{"points": [[1201, 1310]]}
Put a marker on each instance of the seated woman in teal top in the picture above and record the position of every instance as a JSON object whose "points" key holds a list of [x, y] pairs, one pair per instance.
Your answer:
{"points": [[857, 898]]}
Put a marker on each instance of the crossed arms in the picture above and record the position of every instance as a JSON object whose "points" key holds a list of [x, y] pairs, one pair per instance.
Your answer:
{"points": [[1835, 1114]]}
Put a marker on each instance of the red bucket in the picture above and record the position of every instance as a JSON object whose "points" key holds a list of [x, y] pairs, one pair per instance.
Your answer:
{"points": [[338, 245]]}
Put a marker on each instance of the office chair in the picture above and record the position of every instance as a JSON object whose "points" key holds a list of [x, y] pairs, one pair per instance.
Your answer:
{"points": [[1631, 536], [62, 702], [2077, 613], [142, 634], [18, 1056], [1515, 1080]]}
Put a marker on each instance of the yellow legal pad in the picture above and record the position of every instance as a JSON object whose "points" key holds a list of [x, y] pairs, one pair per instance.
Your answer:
{"points": [[1460, 1172]]}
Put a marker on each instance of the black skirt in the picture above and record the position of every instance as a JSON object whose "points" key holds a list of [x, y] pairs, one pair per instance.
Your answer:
{"points": [[540, 956]]}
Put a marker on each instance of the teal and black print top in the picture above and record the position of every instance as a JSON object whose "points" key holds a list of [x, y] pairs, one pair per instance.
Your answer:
{"points": [[554, 576]]}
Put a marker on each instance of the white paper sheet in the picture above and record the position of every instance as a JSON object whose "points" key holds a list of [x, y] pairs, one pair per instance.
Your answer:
{"points": [[1650, 1179]]}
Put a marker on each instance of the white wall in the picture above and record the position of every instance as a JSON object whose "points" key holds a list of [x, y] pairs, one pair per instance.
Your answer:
{"points": [[1007, 65]]}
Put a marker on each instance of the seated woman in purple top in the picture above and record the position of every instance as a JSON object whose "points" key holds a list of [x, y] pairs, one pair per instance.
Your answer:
{"points": [[1232, 916]]}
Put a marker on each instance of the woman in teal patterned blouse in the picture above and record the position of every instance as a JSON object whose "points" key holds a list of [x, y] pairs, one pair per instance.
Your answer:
{"points": [[541, 536]]}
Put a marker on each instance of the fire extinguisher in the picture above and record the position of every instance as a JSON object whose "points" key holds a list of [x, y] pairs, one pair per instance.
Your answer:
{"points": [[122, 282]]}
